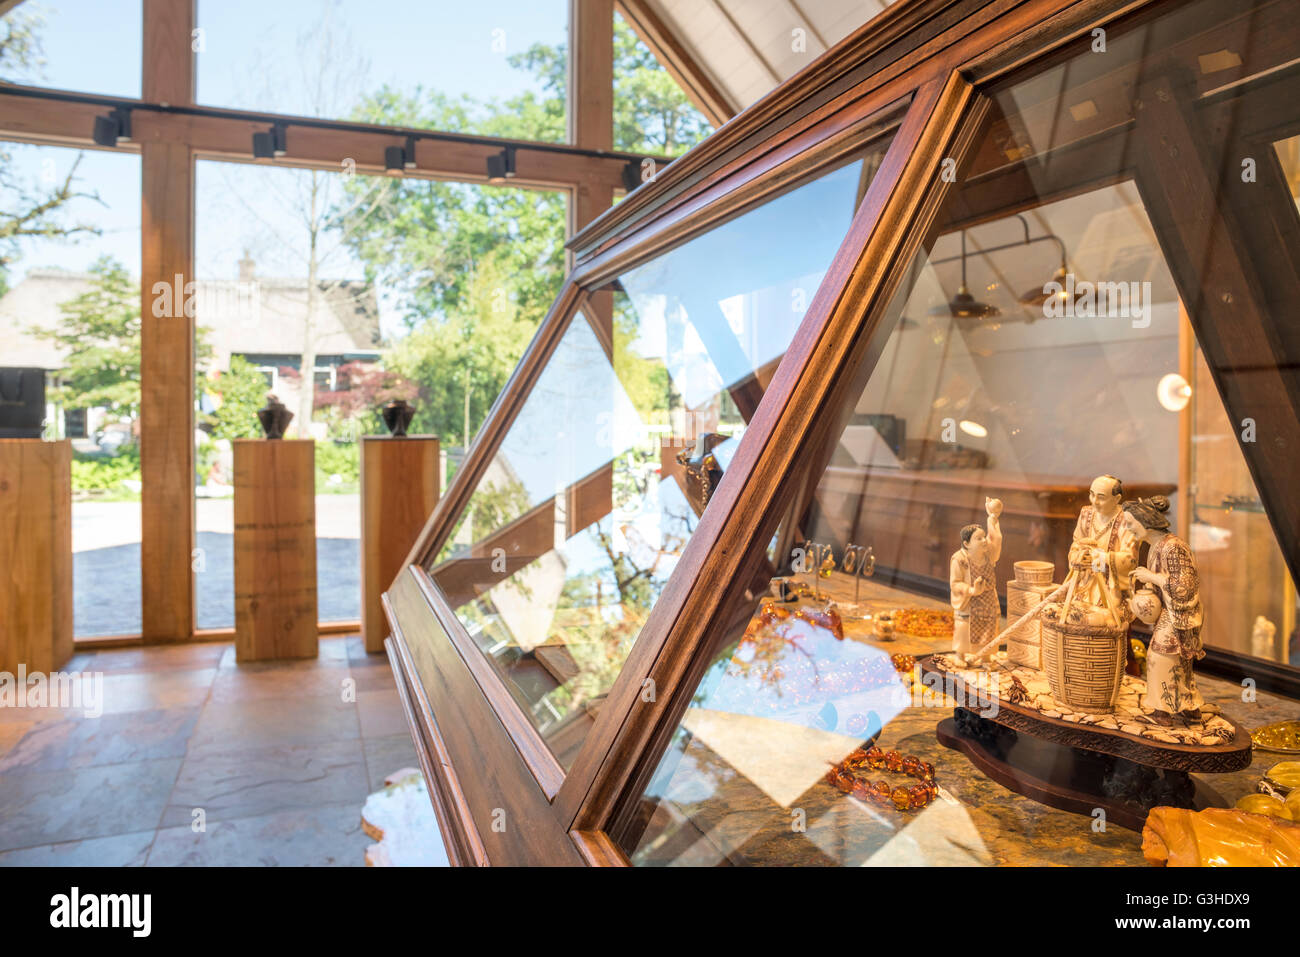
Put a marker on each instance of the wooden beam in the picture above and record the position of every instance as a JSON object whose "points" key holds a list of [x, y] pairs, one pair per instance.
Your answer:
{"points": [[591, 101], [167, 339], [591, 73], [168, 57], [166, 394], [230, 138], [707, 96]]}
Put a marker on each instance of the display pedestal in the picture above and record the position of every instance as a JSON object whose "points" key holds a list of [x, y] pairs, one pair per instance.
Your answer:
{"points": [[275, 549], [399, 488], [35, 555], [1079, 767], [1072, 779]]}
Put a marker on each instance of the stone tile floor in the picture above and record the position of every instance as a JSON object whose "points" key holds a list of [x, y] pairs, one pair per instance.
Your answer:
{"points": [[275, 757]]}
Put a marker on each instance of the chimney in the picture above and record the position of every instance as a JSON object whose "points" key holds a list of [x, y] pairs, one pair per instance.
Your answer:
{"points": [[247, 268]]}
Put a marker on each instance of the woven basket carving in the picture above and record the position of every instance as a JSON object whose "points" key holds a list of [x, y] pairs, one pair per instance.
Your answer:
{"points": [[1084, 664]]}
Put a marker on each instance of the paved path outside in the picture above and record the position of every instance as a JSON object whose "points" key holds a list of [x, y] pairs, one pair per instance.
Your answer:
{"points": [[106, 563]]}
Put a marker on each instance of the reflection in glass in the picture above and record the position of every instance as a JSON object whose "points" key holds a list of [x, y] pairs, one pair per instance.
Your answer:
{"points": [[580, 517], [976, 388]]}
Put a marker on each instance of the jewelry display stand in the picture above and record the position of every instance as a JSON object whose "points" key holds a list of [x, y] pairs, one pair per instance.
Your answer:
{"points": [[399, 488], [35, 555], [275, 549]]}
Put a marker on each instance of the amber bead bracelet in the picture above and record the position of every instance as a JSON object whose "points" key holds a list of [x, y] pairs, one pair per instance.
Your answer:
{"points": [[843, 777]]}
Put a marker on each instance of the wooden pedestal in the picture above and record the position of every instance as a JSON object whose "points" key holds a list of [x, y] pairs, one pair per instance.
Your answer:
{"points": [[275, 549], [35, 554], [399, 488]]}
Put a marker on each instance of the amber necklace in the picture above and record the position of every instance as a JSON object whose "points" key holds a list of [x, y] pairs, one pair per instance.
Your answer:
{"points": [[844, 777]]}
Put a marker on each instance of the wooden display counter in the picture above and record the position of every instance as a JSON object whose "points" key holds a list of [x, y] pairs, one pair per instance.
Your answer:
{"points": [[399, 488], [275, 549], [35, 554]]}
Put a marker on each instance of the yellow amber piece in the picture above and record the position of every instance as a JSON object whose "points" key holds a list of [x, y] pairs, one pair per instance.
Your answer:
{"points": [[1219, 836], [901, 798], [1262, 804], [1282, 736], [1286, 774], [828, 566]]}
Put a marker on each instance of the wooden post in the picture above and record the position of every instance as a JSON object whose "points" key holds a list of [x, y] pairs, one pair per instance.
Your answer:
{"points": [[35, 554], [275, 549], [167, 337], [399, 488], [591, 100]]}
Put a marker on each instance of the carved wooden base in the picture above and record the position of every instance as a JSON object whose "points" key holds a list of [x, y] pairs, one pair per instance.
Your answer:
{"points": [[1071, 778]]}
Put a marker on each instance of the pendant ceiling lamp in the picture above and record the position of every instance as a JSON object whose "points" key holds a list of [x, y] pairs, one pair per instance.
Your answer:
{"points": [[963, 305]]}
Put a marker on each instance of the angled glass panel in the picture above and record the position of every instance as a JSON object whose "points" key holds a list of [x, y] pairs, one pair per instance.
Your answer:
{"points": [[580, 517], [1058, 386]]}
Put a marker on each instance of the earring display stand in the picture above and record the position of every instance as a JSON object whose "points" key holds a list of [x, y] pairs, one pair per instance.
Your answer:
{"points": [[275, 549], [399, 488], [35, 555]]}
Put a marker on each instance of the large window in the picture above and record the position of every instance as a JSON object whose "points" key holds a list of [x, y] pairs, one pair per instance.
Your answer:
{"points": [[1103, 307], [338, 293], [70, 308], [498, 69], [578, 520]]}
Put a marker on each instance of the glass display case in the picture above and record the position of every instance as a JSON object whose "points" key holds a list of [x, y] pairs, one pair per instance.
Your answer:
{"points": [[903, 477]]}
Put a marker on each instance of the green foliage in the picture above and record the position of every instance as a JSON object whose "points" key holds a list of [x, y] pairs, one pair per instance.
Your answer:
{"points": [[100, 331], [242, 391], [338, 458], [476, 347], [104, 473], [651, 113]]}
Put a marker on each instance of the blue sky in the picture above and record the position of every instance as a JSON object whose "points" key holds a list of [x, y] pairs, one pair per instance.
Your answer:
{"points": [[251, 59]]}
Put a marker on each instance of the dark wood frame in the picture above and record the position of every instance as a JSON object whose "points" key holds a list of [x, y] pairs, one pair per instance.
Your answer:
{"points": [[927, 54]]}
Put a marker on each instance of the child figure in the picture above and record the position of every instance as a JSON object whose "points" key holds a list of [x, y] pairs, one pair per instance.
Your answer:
{"points": [[973, 585]]}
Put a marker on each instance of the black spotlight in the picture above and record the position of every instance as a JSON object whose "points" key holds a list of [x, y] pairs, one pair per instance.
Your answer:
{"points": [[114, 128], [501, 166], [394, 160], [631, 175], [269, 144]]}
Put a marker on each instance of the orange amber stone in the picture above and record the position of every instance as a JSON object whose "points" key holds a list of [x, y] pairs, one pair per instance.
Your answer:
{"points": [[901, 798], [881, 791], [919, 796], [875, 758], [894, 761]]}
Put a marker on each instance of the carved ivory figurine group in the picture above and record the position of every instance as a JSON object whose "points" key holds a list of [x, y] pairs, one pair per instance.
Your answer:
{"points": [[1105, 583]]}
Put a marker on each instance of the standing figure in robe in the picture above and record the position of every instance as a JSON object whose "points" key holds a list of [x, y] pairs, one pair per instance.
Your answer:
{"points": [[1104, 551], [1176, 633]]}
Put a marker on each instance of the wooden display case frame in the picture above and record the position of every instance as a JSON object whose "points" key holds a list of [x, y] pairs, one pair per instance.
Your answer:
{"points": [[916, 72]]}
